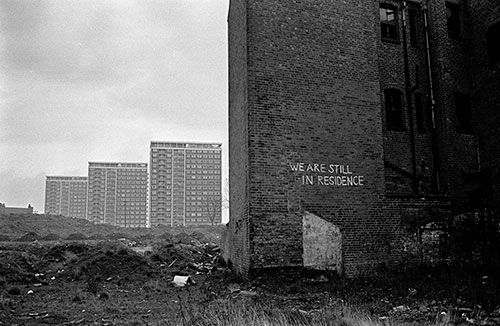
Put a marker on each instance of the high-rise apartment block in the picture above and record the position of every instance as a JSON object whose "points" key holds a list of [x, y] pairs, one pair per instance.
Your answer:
{"points": [[185, 183], [66, 195], [118, 193]]}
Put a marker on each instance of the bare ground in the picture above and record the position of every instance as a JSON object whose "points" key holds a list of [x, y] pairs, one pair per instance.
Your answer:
{"points": [[125, 278]]}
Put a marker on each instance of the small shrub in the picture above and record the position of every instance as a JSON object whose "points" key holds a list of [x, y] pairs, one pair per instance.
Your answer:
{"points": [[152, 285]]}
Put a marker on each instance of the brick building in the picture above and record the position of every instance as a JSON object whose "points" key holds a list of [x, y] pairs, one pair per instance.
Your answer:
{"points": [[118, 193], [185, 183], [66, 195], [6, 210], [350, 122]]}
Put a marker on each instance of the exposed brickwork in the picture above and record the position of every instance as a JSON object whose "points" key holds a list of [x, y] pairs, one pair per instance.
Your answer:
{"points": [[237, 245], [307, 81], [451, 72]]}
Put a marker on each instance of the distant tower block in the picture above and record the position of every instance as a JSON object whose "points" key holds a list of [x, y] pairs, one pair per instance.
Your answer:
{"points": [[66, 195], [118, 193], [185, 183]]}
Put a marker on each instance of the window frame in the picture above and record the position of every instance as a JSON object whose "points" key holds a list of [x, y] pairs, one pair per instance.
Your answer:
{"points": [[414, 23], [463, 113], [394, 24]]}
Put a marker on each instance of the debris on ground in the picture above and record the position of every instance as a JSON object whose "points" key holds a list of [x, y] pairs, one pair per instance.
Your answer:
{"points": [[181, 281]]}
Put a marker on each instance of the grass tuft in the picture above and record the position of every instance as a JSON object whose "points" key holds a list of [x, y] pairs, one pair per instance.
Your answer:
{"points": [[228, 313]]}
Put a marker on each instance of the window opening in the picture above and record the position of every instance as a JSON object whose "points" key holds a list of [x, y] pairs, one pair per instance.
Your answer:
{"points": [[463, 112], [493, 40], [414, 19], [394, 109], [389, 23], [453, 20]]}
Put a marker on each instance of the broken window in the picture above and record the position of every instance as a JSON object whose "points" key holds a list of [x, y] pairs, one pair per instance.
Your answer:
{"points": [[389, 22]]}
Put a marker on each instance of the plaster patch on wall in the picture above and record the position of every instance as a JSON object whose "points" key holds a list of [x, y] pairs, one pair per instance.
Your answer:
{"points": [[322, 243]]}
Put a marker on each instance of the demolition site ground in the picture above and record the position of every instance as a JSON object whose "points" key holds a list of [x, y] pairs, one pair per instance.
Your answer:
{"points": [[71, 272]]}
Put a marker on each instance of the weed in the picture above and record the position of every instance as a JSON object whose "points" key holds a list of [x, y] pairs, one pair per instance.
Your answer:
{"points": [[152, 285], [229, 313]]}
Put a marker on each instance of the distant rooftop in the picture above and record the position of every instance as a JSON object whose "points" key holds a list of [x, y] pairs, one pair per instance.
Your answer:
{"points": [[117, 165], [165, 144], [65, 178]]}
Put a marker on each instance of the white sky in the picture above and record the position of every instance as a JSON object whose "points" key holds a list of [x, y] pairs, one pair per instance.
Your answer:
{"points": [[94, 80]]}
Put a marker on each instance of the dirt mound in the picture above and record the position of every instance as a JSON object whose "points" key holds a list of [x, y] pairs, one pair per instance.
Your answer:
{"points": [[181, 257], [76, 236], [51, 237], [4, 237], [64, 252], [17, 266], [185, 238], [112, 260], [97, 237], [117, 235], [199, 236], [30, 236]]}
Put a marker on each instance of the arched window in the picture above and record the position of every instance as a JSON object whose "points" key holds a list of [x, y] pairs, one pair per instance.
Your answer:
{"points": [[394, 116], [493, 39]]}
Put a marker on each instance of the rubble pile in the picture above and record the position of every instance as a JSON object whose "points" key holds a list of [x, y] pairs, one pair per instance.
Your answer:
{"points": [[120, 259], [185, 258], [110, 260], [17, 266]]}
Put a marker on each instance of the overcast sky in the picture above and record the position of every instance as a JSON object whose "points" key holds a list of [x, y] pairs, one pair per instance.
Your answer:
{"points": [[94, 80]]}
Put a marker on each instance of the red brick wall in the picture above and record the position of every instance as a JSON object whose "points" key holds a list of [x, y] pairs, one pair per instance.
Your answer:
{"points": [[313, 97], [237, 242], [306, 85], [452, 71]]}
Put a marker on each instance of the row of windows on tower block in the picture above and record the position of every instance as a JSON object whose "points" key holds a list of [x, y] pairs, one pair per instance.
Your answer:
{"points": [[389, 24], [395, 118]]}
